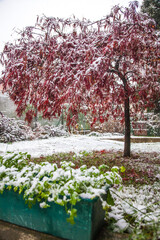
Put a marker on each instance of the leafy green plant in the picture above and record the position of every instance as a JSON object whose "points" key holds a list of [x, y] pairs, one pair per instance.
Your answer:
{"points": [[64, 185]]}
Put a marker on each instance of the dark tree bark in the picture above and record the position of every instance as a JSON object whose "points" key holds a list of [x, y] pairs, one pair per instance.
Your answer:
{"points": [[127, 135], [127, 140]]}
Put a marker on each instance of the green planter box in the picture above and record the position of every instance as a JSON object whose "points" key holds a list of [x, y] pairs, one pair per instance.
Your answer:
{"points": [[52, 220]]}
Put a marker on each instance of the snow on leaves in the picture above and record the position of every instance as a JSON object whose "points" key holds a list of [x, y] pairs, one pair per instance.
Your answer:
{"points": [[12, 130], [93, 64], [45, 182]]}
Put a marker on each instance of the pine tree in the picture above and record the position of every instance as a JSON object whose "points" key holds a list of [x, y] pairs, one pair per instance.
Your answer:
{"points": [[152, 8]]}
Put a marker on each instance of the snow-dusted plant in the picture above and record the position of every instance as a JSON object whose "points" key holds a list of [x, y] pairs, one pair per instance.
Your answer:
{"points": [[12, 130], [136, 211], [46, 182]]}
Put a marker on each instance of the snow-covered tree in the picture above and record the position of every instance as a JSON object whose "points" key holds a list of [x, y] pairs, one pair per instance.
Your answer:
{"points": [[107, 67]]}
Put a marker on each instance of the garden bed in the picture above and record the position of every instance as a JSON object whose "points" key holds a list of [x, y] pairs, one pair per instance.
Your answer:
{"points": [[52, 220], [64, 201]]}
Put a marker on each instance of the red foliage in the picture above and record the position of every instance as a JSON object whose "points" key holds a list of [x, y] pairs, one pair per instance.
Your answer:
{"points": [[91, 66]]}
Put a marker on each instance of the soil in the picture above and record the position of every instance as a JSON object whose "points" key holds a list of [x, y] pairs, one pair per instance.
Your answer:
{"points": [[10, 231]]}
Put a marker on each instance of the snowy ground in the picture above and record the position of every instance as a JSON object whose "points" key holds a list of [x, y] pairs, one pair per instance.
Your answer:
{"points": [[141, 203], [75, 143]]}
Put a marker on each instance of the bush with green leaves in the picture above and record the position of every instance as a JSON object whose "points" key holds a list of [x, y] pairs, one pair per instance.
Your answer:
{"points": [[46, 182]]}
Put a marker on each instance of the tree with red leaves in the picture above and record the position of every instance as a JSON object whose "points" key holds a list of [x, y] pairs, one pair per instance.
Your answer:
{"points": [[107, 67]]}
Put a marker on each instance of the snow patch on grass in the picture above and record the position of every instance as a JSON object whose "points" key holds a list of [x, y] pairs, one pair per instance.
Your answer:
{"points": [[135, 206], [74, 143]]}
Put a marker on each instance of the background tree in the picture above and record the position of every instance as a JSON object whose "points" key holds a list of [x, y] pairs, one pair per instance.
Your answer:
{"points": [[152, 8], [108, 67]]}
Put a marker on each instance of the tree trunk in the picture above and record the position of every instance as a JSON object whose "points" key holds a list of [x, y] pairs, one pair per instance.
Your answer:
{"points": [[62, 118], [127, 140]]}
